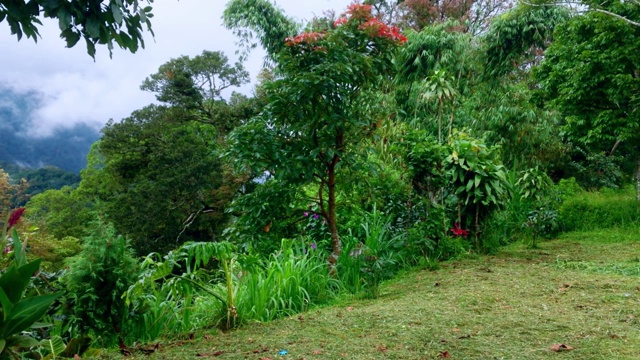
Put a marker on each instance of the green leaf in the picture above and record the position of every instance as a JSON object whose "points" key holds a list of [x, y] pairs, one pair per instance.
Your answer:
{"points": [[55, 345], [22, 341], [70, 36], [15, 280], [92, 28], [64, 19], [19, 255], [27, 312], [7, 305], [91, 48], [117, 13], [469, 185]]}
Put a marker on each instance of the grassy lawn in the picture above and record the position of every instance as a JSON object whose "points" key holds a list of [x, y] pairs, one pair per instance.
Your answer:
{"points": [[582, 290]]}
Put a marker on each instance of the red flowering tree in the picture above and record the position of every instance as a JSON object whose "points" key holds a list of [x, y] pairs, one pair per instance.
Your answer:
{"points": [[327, 98]]}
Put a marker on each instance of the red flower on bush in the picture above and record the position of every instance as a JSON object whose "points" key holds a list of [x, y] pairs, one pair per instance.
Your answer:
{"points": [[340, 21], [457, 231], [15, 217], [375, 27], [304, 38], [359, 12]]}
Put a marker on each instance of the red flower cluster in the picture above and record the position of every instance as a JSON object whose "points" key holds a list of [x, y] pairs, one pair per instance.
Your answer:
{"points": [[304, 38], [340, 21], [375, 27], [358, 12], [15, 217], [457, 231]]}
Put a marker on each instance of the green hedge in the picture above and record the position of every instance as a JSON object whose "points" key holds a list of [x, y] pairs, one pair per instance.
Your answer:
{"points": [[600, 210]]}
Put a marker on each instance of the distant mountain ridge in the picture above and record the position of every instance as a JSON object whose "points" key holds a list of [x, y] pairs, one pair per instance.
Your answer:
{"points": [[66, 148]]}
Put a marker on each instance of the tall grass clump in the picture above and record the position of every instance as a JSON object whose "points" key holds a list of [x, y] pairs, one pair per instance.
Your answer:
{"points": [[604, 209], [369, 255], [211, 284], [287, 283]]}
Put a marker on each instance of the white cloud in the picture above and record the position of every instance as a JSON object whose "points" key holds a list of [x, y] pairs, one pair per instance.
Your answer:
{"points": [[77, 89]]}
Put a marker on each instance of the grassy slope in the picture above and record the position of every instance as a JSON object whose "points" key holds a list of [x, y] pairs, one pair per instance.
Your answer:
{"points": [[582, 290]]}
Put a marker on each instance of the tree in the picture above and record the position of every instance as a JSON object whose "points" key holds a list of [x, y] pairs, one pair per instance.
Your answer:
{"points": [[433, 69], [471, 16], [11, 195], [95, 282], [94, 20], [516, 40], [613, 9], [62, 212], [591, 75], [161, 181], [196, 83], [335, 79]]}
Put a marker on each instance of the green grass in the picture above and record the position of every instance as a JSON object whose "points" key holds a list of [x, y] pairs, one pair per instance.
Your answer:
{"points": [[582, 290]]}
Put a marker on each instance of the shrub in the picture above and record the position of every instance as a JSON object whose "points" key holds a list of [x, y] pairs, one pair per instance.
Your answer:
{"points": [[96, 280]]}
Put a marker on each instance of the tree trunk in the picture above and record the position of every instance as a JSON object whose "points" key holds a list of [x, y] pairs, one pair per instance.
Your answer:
{"points": [[638, 180], [331, 219]]}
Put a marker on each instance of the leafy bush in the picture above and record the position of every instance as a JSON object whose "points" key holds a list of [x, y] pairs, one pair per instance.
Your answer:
{"points": [[567, 188], [597, 170], [96, 280], [529, 211], [53, 252], [163, 300], [452, 247]]}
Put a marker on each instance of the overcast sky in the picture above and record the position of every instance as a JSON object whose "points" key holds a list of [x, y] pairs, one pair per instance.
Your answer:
{"points": [[78, 89]]}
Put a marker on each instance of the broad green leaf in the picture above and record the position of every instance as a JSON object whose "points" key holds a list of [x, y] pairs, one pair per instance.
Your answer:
{"points": [[22, 341], [15, 280], [7, 305], [27, 312], [469, 185], [19, 256], [55, 346], [117, 13]]}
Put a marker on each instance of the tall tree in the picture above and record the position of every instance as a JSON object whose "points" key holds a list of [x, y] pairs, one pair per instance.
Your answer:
{"points": [[328, 97], [591, 74], [161, 181], [196, 83], [94, 20]]}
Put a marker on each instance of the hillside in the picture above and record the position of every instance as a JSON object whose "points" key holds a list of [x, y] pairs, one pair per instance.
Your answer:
{"points": [[65, 148], [580, 291]]}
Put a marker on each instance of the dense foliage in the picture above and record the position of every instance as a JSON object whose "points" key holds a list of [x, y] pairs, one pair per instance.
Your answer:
{"points": [[94, 21], [390, 136]]}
